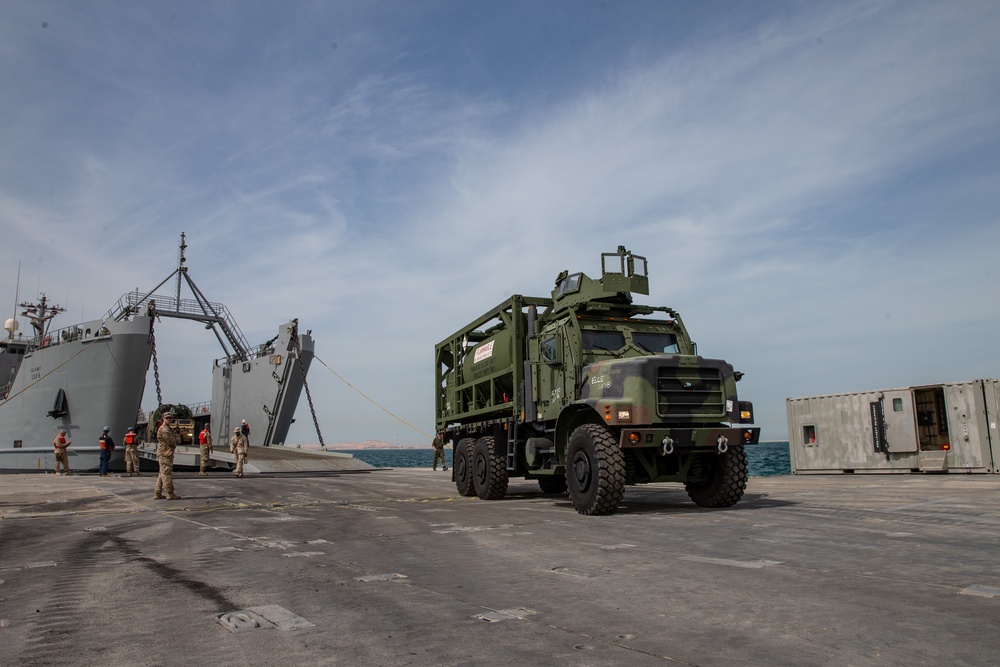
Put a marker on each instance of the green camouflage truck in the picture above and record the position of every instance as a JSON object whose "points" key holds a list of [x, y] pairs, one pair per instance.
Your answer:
{"points": [[587, 392]]}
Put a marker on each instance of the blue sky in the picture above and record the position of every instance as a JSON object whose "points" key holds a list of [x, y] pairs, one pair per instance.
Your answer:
{"points": [[815, 184]]}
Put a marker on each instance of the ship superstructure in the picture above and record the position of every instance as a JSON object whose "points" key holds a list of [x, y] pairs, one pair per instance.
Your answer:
{"points": [[79, 378]]}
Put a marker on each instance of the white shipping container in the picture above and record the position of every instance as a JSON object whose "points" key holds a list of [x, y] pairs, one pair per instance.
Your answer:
{"points": [[950, 427]]}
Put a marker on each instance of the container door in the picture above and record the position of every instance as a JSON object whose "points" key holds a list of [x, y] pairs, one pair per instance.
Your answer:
{"points": [[991, 391], [968, 430], [900, 421]]}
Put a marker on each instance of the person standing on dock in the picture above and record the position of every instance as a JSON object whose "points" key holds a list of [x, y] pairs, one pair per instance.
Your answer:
{"points": [[60, 443], [438, 445], [238, 445], [245, 430], [107, 446], [131, 441], [166, 443], [205, 448]]}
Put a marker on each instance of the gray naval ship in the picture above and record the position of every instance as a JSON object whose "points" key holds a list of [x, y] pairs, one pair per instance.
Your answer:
{"points": [[79, 378], [91, 375]]}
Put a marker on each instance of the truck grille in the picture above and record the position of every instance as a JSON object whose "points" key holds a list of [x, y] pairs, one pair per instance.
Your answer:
{"points": [[681, 392]]}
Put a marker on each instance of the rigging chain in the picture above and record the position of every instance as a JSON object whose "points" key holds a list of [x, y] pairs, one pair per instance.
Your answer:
{"points": [[156, 365], [312, 409]]}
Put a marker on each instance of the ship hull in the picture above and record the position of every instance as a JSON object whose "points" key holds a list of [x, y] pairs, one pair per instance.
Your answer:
{"points": [[263, 391], [101, 377]]}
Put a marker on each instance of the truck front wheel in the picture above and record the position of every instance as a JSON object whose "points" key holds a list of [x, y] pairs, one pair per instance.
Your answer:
{"points": [[595, 470], [725, 479], [489, 470], [462, 466]]}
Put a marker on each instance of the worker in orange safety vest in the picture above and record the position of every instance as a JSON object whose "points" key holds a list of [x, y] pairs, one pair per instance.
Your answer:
{"points": [[131, 441]]}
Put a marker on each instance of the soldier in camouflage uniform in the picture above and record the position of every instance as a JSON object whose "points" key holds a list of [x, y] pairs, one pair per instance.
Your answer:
{"points": [[131, 441], [438, 445], [166, 443], [204, 448], [238, 445], [60, 443]]}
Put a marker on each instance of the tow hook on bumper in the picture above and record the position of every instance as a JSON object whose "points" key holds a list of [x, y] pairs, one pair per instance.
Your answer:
{"points": [[723, 444], [668, 445]]}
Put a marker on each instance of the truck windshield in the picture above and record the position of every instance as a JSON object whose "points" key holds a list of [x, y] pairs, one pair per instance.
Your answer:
{"points": [[569, 285], [607, 341], [657, 343]]}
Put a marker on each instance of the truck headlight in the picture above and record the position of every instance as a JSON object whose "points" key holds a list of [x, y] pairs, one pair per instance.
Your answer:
{"points": [[624, 415]]}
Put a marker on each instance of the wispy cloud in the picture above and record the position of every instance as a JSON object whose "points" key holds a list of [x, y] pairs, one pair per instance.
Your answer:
{"points": [[815, 186]]}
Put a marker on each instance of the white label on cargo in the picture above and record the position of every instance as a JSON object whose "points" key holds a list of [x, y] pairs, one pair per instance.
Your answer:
{"points": [[484, 352]]}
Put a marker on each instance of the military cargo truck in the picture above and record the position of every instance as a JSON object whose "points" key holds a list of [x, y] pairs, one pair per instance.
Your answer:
{"points": [[182, 423], [587, 392]]}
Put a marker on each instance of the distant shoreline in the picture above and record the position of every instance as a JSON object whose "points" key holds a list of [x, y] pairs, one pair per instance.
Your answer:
{"points": [[354, 447]]}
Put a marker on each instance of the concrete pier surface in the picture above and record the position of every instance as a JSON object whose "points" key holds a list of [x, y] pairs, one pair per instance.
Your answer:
{"points": [[393, 567]]}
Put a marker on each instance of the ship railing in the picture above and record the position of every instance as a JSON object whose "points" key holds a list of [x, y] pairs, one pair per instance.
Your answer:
{"points": [[256, 352], [203, 408], [129, 304], [192, 309], [66, 335], [124, 307]]}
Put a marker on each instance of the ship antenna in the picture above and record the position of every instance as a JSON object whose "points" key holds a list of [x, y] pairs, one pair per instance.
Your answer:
{"points": [[17, 297], [180, 268]]}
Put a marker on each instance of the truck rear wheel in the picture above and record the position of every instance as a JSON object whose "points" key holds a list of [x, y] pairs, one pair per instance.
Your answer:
{"points": [[725, 479], [553, 484], [489, 470], [595, 470], [462, 465]]}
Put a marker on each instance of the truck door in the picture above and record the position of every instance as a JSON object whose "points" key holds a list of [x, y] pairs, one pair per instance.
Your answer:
{"points": [[900, 421], [550, 393]]}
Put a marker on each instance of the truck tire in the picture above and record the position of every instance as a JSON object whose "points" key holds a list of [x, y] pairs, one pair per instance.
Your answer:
{"points": [[725, 481], [462, 466], [489, 470], [553, 484], [595, 470]]}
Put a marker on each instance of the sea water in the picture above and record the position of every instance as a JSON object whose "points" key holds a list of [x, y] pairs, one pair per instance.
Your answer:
{"points": [[766, 459]]}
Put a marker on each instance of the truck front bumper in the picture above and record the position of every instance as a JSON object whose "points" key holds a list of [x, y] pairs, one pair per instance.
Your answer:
{"points": [[668, 440]]}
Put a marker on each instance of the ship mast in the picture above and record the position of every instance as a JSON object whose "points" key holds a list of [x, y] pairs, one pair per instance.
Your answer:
{"points": [[181, 269], [215, 316], [17, 295], [40, 314]]}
